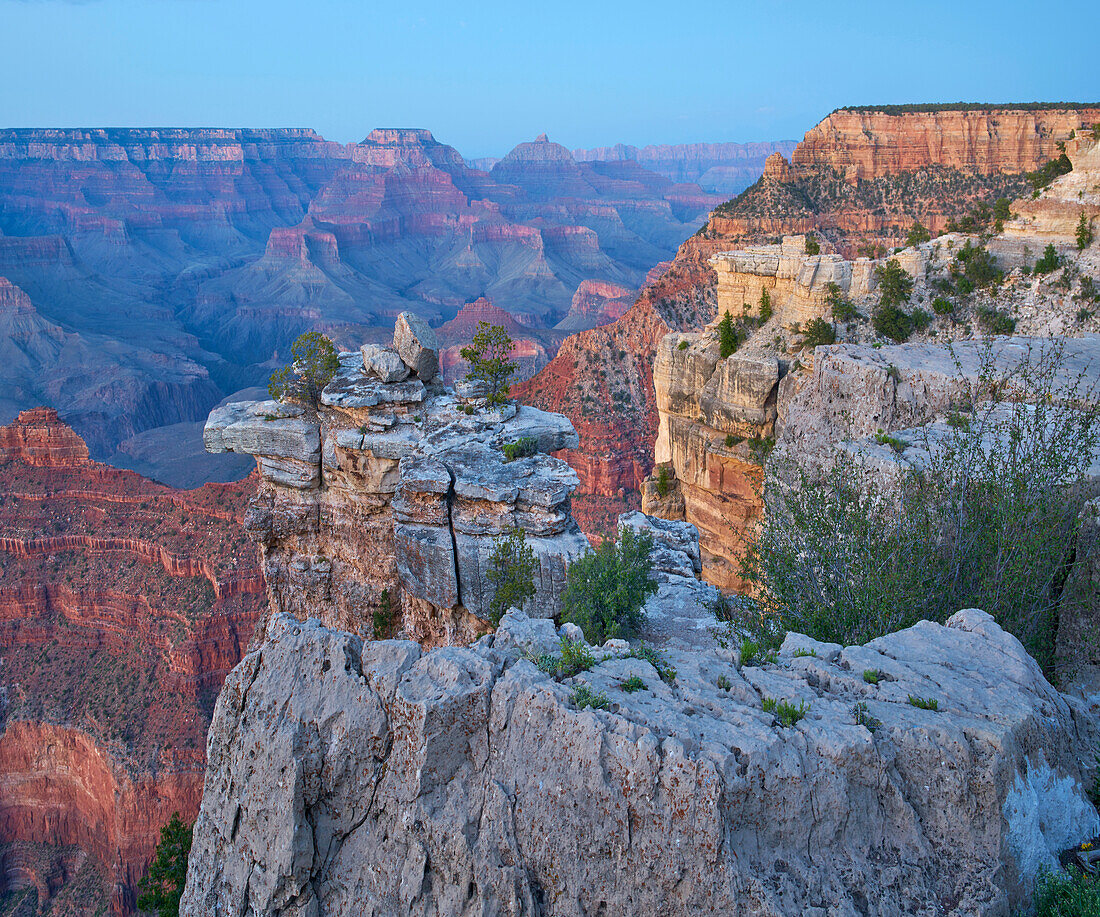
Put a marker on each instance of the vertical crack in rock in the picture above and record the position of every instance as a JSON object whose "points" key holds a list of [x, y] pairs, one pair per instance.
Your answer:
{"points": [[450, 502]]}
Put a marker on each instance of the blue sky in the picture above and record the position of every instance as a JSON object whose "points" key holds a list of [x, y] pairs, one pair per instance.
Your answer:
{"points": [[486, 75]]}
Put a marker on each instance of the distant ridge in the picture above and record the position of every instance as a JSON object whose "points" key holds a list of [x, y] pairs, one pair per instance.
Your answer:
{"points": [[914, 107]]}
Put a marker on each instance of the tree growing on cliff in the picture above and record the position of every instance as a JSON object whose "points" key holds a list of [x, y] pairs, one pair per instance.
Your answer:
{"points": [[313, 363], [1084, 233], [727, 336], [606, 588], [488, 356], [895, 284], [916, 235], [812, 246], [512, 566], [162, 886], [987, 520]]}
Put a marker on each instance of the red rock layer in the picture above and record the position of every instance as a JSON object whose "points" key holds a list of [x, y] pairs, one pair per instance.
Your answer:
{"points": [[123, 605]]}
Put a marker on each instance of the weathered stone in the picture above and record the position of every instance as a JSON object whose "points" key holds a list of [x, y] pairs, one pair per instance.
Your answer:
{"points": [[415, 341], [343, 776], [426, 562], [384, 362]]}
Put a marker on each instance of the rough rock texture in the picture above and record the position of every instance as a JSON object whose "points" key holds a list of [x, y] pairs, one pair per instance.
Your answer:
{"points": [[378, 512], [373, 778], [1054, 215], [123, 605]]}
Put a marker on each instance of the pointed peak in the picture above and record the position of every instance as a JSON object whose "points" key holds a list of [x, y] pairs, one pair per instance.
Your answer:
{"points": [[542, 138]]}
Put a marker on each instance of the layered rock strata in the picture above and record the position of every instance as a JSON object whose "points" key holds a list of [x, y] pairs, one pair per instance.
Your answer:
{"points": [[378, 511], [466, 780]]}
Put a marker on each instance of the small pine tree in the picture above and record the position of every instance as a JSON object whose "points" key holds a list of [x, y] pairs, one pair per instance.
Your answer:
{"points": [[813, 247], [162, 886], [895, 284], [766, 310], [1084, 233], [916, 235], [313, 364], [512, 566], [727, 336], [488, 358], [1049, 262]]}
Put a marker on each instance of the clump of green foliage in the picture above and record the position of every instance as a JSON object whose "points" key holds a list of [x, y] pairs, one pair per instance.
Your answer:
{"points": [[916, 235], [511, 571], [1087, 289], [978, 266], [818, 332], [802, 653], [994, 321], [606, 588], [488, 355], [1049, 171], [924, 703], [632, 684], [1049, 262], [766, 308], [583, 697], [665, 672], [750, 652], [840, 306], [942, 306], [891, 322], [382, 617], [162, 886], [895, 283], [1084, 232], [727, 336], [313, 363], [575, 657], [786, 713], [812, 246], [523, 447], [885, 439], [872, 676], [683, 345], [723, 683], [662, 481], [989, 521], [1071, 893], [863, 717]]}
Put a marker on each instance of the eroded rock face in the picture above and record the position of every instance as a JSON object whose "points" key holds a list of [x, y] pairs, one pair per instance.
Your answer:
{"points": [[378, 512], [374, 778]]}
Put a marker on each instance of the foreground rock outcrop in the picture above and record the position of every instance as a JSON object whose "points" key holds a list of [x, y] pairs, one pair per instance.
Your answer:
{"points": [[374, 778], [378, 511]]}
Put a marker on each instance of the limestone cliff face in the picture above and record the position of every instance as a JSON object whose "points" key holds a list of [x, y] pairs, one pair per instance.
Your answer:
{"points": [[1053, 216], [377, 512], [350, 777], [868, 143]]}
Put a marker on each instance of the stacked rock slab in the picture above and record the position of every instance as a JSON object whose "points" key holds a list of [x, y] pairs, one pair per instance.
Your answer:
{"points": [[374, 778], [378, 511]]}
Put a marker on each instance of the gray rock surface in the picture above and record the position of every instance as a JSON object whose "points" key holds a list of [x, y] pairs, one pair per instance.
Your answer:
{"points": [[350, 778], [384, 362], [415, 341]]}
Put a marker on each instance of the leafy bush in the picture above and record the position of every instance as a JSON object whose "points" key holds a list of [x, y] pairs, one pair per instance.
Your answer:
{"points": [[916, 235], [1067, 894], [632, 684], [841, 308], [606, 588], [1049, 262], [977, 265], [786, 713], [488, 355], [523, 447], [1084, 232], [921, 320], [891, 322], [988, 522], [942, 306], [1046, 173], [313, 363], [925, 703], [512, 566], [683, 345], [727, 336], [895, 284], [382, 617], [819, 332], [662, 481], [872, 676], [863, 717], [583, 697], [162, 886], [766, 309], [994, 321], [813, 247], [1087, 289]]}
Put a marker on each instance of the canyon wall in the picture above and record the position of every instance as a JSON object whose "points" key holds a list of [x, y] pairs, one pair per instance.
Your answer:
{"points": [[123, 605]]}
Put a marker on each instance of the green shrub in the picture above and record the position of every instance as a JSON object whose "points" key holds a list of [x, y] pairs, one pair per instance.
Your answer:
{"points": [[727, 336], [863, 717], [841, 308], [1049, 262], [989, 522], [1072, 893], [511, 571], [916, 235], [583, 697], [523, 447], [872, 676], [942, 306], [819, 332], [606, 588], [662, 481], [1084, 232], [766, 309], [162, 885], [1087, 289], [924, 703], [723, 683], [891, 322], [683, 345], [994, 321], [382, 617], [977, 265], [786, 713], [1043, 176], [812, 246], [632, 684], [488, 355], [895, 284], [885, 439], [921, 320], [802, 653], [664, 671], [1002, 209], [313, 363]]}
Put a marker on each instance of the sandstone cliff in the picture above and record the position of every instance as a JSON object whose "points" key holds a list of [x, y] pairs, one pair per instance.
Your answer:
{"points": [[377, 512], [373, 778], [123, 604]]}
